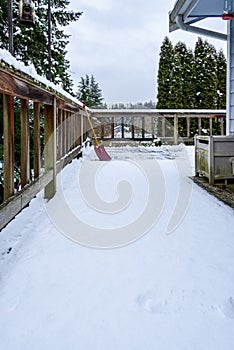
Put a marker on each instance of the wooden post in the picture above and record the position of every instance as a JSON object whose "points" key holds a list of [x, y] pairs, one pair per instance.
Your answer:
{"points": [[199, 126], [102, 128], [222, 125], [24, 154], [50, 147], [133, 128], [175, 129], [82, 127], [75, 130], [68, 131], [112, 127], [122, 127], [60, 136], [163, 126], [79, 129], [64, 132], [211, 160], [8, 131], [143, 127], [152, 127], [188, 127], [71, 145], [36, 140], [211, 125]]}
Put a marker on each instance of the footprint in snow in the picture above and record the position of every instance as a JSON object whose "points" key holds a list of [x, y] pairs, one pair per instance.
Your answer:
{"points": [[228, 308], [155, 304]]}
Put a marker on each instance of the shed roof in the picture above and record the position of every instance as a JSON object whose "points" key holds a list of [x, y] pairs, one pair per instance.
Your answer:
{"points": [[196, 10]]}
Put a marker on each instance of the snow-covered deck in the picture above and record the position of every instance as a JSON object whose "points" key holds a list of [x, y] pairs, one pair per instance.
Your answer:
{"points": [[162, 291]]}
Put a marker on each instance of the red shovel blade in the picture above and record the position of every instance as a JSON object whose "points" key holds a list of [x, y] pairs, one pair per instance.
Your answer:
{"points": [[101, 153]]}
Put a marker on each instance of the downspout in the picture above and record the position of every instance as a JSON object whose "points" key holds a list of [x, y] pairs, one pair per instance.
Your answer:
{"points": [[197, 30]]}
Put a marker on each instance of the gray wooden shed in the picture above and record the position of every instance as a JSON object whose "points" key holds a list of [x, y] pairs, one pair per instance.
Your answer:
{"points": [[187, 12]]}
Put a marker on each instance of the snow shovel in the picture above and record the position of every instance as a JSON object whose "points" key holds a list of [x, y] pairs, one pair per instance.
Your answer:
{"points": [[99, 149]]}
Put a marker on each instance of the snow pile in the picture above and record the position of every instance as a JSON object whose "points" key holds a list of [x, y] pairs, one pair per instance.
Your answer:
{"points": [[30, 70], [163, 291]]}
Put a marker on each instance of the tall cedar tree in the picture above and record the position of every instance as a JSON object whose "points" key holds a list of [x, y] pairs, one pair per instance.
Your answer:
{"points": [[206, 75], [89, 91], [31, 43], [166, 63], [221, 75], [182, 89]]}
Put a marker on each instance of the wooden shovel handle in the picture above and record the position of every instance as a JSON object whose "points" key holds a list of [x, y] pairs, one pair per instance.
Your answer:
{"points": [[91, 125]]}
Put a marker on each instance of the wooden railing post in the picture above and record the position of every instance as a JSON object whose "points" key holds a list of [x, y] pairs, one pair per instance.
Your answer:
{"points": [[175, 129], [8, 131], [79, 129], [122, 127], [60, 135], [211, 125], [24, 154], [50, 147], [64, 132], [163, 126], [112, 127], [143, 128], [152, 127], [188, 127], [36, 140], [68, 131], [222, 125], [133, 128], [199, 125]]}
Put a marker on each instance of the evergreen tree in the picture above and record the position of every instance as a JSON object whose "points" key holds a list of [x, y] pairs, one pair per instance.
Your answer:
{"points": [[182, 90], [177, 76], [31, 43], [164, 74], [189, 99], [89, 91], [206, 75], [221, 76]]}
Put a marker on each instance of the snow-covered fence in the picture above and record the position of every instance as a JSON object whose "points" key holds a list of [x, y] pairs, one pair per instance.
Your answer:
{"points": [[51, 132], [147, 124]]}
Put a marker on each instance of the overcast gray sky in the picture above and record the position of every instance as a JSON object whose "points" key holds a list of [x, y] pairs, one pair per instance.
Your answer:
{"points": [[118, 41]]}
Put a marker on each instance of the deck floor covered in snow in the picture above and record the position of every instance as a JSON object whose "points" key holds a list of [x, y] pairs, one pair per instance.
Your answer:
{"points": [[171, 287]]}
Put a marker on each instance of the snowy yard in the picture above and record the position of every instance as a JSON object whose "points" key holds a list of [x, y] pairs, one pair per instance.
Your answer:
{"points": [[170, 287]]}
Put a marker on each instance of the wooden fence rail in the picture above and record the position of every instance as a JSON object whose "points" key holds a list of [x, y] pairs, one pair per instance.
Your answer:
{"points": [[169, 125]]}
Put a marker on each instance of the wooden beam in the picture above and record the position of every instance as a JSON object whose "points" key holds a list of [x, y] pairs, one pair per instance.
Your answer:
{"points": [[163, 126], [8, 144], [16, 87], [188, 126], [50, 147], [133, 128], [36, 140], [176, 129], [122, 127], [112, 127], [211, 125], [79, 129], [199, 125], [60, 135], [143, 127], [24, 137]]}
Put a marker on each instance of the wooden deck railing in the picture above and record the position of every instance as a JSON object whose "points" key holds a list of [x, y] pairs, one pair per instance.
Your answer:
{"points": [[147, 124], [62, 120]]}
